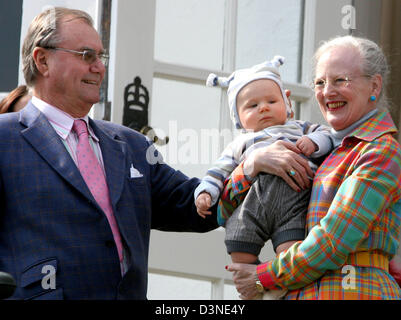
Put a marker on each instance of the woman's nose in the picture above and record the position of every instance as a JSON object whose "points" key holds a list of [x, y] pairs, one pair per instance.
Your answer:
{"points": [[328, 89]]}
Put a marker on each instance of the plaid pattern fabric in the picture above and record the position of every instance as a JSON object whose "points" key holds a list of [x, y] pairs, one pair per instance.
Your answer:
{"points": [[352, 206], [370, 284], [234, 192]]}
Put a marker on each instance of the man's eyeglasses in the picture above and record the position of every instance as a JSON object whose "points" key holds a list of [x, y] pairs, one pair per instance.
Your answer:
{"points": [[337, 82], [88, 55]]}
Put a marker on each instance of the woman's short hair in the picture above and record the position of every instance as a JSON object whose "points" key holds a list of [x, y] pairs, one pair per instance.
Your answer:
{"points": [[43, 32], [373, 59]]}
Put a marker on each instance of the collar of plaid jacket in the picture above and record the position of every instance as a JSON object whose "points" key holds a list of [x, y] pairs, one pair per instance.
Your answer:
{"points": [[374, 127]]}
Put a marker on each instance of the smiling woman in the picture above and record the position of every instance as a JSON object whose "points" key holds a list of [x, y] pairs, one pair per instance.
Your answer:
{"points": [[353, 216], [342, 89]]}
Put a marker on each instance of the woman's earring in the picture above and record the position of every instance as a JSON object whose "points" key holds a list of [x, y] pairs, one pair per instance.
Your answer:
{"points": [[372, 98]]}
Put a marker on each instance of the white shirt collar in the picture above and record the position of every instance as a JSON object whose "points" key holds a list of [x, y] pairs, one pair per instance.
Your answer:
{"points": [[61, 121]]}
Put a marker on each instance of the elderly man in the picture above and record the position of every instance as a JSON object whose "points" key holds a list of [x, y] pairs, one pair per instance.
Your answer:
{"points": [[78, 196]]}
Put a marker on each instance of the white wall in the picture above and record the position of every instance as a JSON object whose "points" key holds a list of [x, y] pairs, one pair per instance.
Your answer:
{"points": [[324, 19], [131, 49]]}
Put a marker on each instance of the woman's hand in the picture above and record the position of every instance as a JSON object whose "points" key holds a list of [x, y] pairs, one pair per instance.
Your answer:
{"points": [[280, 158], [395, 268], [244, 277]]}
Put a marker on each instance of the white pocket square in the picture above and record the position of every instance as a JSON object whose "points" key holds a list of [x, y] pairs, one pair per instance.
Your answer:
{"points": [[134, 173]]}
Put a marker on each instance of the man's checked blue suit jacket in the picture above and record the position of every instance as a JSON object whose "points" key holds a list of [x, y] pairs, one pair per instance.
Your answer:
{"points": [[48, 217]]}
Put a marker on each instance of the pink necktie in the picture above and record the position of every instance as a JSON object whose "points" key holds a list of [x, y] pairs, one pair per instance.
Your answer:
{"points": [[93, 175]]}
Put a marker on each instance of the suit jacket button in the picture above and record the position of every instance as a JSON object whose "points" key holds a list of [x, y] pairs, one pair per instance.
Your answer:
{"points": [[109, 243]]}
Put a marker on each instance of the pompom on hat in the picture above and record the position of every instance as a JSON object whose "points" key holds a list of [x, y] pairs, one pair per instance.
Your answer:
{"points": [[240, 78]]}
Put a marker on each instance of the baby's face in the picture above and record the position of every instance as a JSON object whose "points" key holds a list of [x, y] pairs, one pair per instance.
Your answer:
{"points": [[261, 105]]}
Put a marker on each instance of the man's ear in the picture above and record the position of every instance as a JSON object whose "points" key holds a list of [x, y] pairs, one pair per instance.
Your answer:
{"points": [[40, 56]]}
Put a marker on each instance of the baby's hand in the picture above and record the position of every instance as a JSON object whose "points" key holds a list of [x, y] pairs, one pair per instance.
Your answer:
{"points": [[203, 203], [306, 145]]}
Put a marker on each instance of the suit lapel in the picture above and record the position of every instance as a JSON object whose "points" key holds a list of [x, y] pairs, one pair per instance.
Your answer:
{"points": [[44, 139], [114, 153]]}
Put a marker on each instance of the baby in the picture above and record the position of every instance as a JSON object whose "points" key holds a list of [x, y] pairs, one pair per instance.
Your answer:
{"points": [[260, 108]]}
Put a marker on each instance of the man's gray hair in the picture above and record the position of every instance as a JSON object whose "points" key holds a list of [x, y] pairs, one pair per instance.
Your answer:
{"points": [[43, 32]]}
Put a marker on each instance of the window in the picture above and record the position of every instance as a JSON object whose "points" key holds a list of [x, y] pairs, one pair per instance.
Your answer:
{"points": [[192, 39], [269, 28], [190, 32]]}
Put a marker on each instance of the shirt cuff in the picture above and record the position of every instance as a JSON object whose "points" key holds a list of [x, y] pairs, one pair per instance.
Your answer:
{"points": [[264, 273], [239, 180]]}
